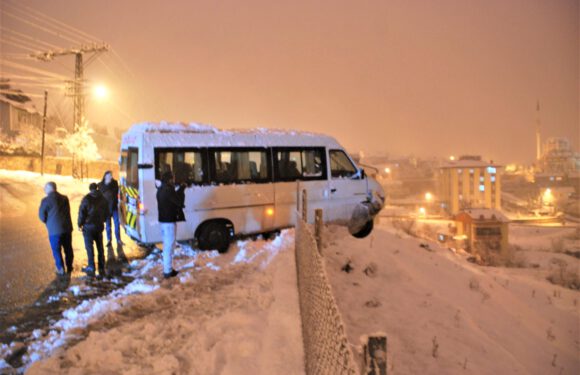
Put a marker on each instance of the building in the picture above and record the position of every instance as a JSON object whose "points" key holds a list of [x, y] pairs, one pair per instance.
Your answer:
{"points": [[16, 116], [483, 229], [559, 165], [469, 183]]}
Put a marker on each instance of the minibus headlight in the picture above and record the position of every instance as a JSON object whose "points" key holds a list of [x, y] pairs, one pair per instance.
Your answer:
{"points": [[270, 211]]}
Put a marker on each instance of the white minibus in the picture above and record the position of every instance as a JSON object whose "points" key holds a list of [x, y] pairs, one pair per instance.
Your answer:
{"points": [[240, 182]]}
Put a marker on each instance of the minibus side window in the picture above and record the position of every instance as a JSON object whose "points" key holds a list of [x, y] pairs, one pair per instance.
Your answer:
{"points": [[312, 163], [123, 164], [187, 165], [340, 165], [289, 165], [132, 170], [230, 166], [300, 164]]}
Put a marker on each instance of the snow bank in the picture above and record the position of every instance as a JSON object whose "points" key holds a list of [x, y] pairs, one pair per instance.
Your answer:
{"points": [[224, 314], [444, 315]]}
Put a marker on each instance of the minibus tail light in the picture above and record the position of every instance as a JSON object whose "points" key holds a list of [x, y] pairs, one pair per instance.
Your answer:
{"points": [[142, 209], [269, 211]]}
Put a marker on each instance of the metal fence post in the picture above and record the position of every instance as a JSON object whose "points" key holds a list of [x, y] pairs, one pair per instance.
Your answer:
{"points": [[374, 354], [318, 228]]}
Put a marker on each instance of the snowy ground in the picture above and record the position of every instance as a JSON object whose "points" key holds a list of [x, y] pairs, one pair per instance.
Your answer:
{"points": [[551, 238], [444, 315], [224, 314]]}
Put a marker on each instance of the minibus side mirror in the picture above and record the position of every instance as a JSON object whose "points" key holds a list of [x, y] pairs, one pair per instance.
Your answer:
{"points": [[359, 175]]}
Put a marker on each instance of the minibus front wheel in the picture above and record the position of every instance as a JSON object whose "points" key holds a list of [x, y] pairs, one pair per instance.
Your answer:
{"points": [[365, 230], [215, 235]]}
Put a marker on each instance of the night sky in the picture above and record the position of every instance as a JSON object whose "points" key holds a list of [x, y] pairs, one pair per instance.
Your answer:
{"points": [[401, 77]]}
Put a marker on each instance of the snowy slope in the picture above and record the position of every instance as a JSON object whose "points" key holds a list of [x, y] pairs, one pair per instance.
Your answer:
{"points": [[444, 315], [243, 319]]}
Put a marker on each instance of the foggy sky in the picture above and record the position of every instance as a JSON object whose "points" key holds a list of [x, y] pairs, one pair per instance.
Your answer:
{"points": [[403, 77]]}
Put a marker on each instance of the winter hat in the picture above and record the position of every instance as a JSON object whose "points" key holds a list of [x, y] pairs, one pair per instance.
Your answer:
{"points": [[93, 186]]}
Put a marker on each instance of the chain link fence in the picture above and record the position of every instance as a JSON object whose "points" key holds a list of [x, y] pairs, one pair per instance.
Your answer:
{"points": [[326, 347]]}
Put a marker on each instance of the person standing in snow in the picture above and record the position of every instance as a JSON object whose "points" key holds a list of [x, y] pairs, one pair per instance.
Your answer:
{"points": [[54, 211], [170, 207], [110, 190], [92, 215]]}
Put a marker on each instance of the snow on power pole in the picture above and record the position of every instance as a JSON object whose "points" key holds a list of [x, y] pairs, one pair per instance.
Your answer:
{"points": [[78, 92]]}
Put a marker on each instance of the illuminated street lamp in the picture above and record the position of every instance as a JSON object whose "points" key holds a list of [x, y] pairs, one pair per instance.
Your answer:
{"points": [[387, 170], [428, 196], [422, 212], [101, 92], [452, 158], [548, 197]]}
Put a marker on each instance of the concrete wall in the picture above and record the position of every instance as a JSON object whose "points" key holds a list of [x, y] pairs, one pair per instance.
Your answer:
{"points": [[55, 165]]}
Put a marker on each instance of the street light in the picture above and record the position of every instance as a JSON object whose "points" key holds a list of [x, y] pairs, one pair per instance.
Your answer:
{"points": [[101, 92], [422, 212], [428, 196], [387, 170], [548, 197]]}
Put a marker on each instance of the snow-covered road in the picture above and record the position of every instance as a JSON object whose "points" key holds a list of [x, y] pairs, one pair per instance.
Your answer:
{"points": [[236, 313]]}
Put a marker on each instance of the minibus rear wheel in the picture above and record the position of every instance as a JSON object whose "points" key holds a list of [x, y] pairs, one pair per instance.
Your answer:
{"points": [[214, 235], [366, 230]]}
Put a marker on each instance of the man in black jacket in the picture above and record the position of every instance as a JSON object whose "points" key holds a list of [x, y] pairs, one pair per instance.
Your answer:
{"points": [[54, 211], [170, 207], [92, 214], [110, 190]]}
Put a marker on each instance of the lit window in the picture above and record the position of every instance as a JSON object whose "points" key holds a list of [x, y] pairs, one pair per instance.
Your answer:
{"points": [[492, 178], [481, 178], [471, 171], [551, 178], [491, 170], [481, 188], [460, 171]]}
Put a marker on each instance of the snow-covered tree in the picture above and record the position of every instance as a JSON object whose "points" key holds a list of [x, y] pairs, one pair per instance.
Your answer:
{"points": [[81, 144]]}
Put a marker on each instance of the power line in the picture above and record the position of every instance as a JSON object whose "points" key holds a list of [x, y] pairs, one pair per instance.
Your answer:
{"points": [[47, 19], [40, 42], [23, 67], [11, 92], [28, 84], [22, 42], [28, 78], [21, 56], [122, 63], [16, 17], [43, 23], [13, 44]]}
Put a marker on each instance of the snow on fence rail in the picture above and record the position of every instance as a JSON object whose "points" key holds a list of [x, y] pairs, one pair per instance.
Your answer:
{"points": [[326, 347]]}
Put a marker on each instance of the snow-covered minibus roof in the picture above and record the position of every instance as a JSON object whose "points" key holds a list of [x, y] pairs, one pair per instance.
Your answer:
{"points": [[182, 134]]}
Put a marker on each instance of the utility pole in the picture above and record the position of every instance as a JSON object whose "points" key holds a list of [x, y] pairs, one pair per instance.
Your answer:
{"points": [[78, 93], [538, 137], [43, 132]]}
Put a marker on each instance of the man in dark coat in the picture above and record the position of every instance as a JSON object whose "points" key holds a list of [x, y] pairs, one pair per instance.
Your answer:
{"points": [[92, 215], [110, 190], [170, 207], [54, 211]]}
